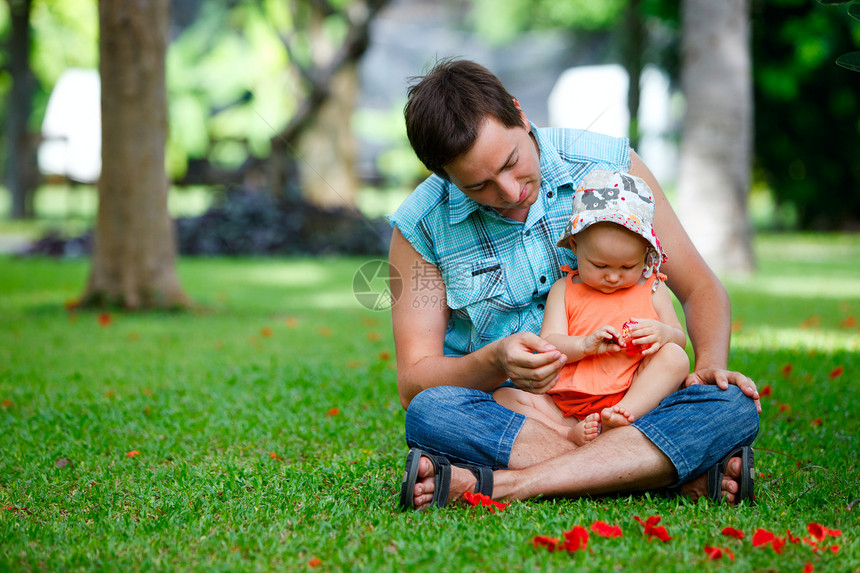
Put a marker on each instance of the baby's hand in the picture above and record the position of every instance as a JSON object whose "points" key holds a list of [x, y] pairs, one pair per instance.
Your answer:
{"points": [[604, 339], [645, 335]]}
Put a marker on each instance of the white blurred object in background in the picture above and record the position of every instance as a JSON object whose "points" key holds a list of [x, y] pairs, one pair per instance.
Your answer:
{"points": [[71, 130]]}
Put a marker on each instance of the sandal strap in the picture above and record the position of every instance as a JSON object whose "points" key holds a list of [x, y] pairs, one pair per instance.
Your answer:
{"points": [[746, 481], [442, 480], [484, 477]]}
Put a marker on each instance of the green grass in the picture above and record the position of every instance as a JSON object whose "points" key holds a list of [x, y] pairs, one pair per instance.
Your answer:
{"points": [[244, 464]]}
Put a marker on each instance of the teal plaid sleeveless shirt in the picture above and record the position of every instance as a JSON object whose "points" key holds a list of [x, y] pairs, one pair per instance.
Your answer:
{"points": [[498, 272]]}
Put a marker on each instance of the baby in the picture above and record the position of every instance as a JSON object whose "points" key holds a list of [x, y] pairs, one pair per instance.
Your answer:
{"points": [[612, 316]]}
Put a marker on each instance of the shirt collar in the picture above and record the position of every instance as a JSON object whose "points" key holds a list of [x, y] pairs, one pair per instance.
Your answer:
{"points": [[459, 206]]}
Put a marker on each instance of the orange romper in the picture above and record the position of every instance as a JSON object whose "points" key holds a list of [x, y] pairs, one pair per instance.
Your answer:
{"points": [[600, 380]]}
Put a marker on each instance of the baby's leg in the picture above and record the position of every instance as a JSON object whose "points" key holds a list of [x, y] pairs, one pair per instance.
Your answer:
{"points": [[658, 375], [542, 407]]}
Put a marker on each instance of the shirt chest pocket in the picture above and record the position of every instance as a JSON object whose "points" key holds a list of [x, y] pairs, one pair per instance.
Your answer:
{"points": [[478, 290]]}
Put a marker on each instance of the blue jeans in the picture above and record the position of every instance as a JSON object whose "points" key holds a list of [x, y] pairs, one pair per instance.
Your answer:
{"points": [[695, 427]]}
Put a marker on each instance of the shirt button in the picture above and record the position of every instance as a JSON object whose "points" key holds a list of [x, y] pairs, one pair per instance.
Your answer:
{"points": [[535, 293], [543, 279], [549, 194], [528, 233], [540, 307]]}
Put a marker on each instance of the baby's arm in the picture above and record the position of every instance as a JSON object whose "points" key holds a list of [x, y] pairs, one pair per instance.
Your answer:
{"points": [[662, 331], [554, 330]]}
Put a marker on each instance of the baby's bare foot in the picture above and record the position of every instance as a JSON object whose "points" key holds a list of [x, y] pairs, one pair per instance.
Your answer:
{"points": [[616, 416], [590, 427]]}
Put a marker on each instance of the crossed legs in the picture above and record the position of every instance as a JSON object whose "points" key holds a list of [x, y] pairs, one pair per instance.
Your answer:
{"points": [[696, 427], [621, 460]]}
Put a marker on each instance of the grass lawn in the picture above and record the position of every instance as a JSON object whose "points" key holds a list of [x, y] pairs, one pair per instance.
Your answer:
{"points": [[263, 432]]}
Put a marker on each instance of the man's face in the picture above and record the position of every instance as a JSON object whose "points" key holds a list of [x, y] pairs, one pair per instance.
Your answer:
{"points": [[501, 170]]}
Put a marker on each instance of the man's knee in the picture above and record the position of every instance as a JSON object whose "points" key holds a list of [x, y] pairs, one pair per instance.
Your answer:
{"points": [[746, 416]]}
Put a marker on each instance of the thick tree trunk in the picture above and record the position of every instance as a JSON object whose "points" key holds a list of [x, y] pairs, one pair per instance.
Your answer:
{"points": [[21, 170], [328, 147], [716, 147], [134, 255]]}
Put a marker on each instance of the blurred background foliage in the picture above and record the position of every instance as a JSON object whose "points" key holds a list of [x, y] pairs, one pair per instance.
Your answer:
{"points": [[239, 71]]}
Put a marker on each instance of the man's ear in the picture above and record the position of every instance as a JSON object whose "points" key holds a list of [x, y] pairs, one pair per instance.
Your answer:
{"points": [[572, 245], [522, 115]]}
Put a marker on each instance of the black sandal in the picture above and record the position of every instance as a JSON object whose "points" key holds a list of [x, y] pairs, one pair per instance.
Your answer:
{"points": [[442, 479], [746, 481]]}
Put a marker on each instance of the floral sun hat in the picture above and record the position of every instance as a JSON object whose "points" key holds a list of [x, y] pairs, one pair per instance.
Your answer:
{"points": [[616, 197]]}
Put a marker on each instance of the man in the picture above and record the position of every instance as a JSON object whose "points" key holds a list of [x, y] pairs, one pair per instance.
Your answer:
{"points": [[478, 241]]}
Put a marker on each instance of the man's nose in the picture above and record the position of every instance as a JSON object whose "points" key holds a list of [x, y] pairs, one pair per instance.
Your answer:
{"points": [[509, 188]]}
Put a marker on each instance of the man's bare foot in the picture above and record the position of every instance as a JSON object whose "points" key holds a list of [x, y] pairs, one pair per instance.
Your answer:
{"points": [[729, 488], [615, 417], [462, 480]]}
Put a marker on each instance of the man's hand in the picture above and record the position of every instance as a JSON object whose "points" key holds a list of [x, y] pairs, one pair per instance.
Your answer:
{"points": [[531, 363], [723, 378]]}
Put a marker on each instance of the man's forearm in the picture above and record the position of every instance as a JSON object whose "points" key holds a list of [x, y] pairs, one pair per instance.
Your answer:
{"points": [[476, 370], [708, 315]]}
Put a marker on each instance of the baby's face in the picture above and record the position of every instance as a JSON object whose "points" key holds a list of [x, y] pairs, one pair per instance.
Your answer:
{"points": [[610, 257]]}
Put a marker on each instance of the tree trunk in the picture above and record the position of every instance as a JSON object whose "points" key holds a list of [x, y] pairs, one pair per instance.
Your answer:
{"points": [[716, 144], [634, 44], [134, 254], [22, 173], [327, 166]]}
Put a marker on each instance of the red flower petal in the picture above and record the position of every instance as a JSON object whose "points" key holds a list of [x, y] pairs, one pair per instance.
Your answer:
{"points": [[653, 520], [551, 543], [718, 553], [836, 372], [315, 562], [575, 539], [778, 543], [762, 537], [815, 422], [809, 568], [791, 537], [605, 530], [651, 530], [732, 532], [104, 319], [786, 370], [819, 532], [766, 391], [132, 453], [332, 412], [478, 499]]}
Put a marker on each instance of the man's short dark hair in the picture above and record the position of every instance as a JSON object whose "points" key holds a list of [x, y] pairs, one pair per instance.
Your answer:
{"points": [[447, 106]]}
